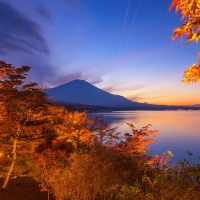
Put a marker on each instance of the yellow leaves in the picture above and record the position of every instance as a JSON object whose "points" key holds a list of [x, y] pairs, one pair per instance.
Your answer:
{"points": [[195, 37], [191, 16], [190, 13], [74, 129], [192, 74], [170, 153]]}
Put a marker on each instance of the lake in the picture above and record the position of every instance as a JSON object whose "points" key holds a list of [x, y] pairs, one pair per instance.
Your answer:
{"points": [[179, 131]]}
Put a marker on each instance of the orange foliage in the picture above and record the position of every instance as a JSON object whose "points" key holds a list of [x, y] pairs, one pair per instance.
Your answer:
{"points": [[74, 128], [192, 73], [23, 111], [101, 158], [190, 14], [163, 161], [138, 141]]}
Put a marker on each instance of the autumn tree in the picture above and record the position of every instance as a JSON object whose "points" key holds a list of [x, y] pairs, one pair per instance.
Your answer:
{"points": [[89, 158], [190, 15], [23, 110]]}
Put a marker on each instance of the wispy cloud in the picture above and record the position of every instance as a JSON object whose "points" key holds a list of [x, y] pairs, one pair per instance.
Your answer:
{"points": [[120, 88], [149, 95], [68, 77], [44, 12], [166, 79], [147, 98], [53, 73], [65, 78], [94, 80], [19, 33], [47, 74]]}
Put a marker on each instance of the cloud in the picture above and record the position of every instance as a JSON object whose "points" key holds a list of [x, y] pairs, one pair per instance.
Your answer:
{"points": [[59, 79], [95, 80], [124, 87], [165, 79], [44, 12], [72, 4], [52, 76], [148, 96], [18, 33], [62, 79], [47, 74]]}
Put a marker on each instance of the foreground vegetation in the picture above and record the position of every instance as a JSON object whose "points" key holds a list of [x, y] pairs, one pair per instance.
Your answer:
{"points": [[75, 158]]}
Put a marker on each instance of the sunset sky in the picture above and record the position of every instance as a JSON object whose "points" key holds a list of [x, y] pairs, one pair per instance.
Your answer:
{"points": [[121, 46]]}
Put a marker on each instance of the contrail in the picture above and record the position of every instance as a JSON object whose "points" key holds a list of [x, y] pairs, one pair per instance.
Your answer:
{"points": [[127, 41], [126, 15], [125, 19], [119, 53]]}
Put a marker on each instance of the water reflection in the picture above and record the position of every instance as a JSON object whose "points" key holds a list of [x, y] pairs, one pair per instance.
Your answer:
{"points": [[179, 131]]}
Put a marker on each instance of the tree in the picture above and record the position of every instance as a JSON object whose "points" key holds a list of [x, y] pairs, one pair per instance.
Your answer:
{"points": [[190, 14], [99, 163], [23, 111]]}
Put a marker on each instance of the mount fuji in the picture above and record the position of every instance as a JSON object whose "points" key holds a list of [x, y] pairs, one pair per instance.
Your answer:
{"points": [[82, 92]]}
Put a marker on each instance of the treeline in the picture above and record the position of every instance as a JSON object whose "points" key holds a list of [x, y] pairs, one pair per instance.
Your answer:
{"points": [[75, 158]]}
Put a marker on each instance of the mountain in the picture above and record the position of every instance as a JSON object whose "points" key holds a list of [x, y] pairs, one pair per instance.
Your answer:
{"points": [[82, 92]]}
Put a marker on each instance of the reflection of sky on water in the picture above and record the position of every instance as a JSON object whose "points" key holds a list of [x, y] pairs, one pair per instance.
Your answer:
{"points": [[179, 131]]}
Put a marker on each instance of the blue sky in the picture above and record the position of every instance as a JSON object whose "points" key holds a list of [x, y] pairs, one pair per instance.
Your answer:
{"points": [[121, 46]]}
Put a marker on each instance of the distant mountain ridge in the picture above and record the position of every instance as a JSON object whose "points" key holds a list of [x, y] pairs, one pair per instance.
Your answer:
{"points": [[195, 105], [82, 92]]}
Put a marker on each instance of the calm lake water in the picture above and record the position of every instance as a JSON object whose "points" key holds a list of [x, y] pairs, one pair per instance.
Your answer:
{"points": [[179, 131]]}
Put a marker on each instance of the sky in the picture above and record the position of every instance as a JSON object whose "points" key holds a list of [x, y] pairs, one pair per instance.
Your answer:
{"points": [[121, 46]]}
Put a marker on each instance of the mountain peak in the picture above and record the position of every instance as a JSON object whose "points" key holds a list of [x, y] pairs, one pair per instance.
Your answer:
{"points": [[78, 80]]}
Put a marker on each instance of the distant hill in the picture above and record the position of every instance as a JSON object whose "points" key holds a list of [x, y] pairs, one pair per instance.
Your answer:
{"points": [[195, 105], [82, 92]]}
